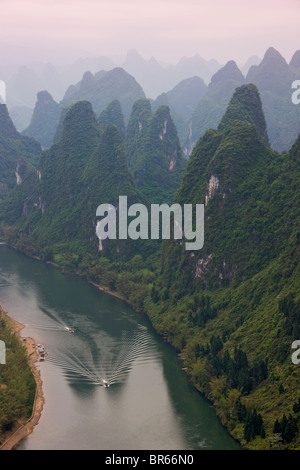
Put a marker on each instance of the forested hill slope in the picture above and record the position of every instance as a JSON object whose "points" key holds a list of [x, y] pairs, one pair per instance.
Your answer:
{"points": [[233, 308], [52, 214], [14, 148], [153, 152], [245, 105]]}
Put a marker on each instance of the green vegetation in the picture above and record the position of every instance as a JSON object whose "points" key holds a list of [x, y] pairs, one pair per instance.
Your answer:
{"points": [[182, 100], [113, 114], [153, 152], [233, 308], [17, 384], [273, 78], [13, 147], [245, 105]]}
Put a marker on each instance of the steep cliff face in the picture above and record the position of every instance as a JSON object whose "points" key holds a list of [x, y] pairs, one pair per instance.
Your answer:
{"points": [[223, 171], [136, 131], [113, 114], [106, 177], [232, 308], [55, 205], [153, 152], [245, 105], [50, 193], [13, 146]]}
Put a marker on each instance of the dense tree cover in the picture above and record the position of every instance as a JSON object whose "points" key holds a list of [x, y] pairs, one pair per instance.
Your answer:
{"points": [[245, 105], [52, 214], [113, 114], [232, 308], [249, 270], [154, 153], [13, 146], [17, 384]]}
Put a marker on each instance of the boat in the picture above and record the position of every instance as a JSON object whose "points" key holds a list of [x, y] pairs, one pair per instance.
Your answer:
{"points": [[70, 330], [41, 350]]}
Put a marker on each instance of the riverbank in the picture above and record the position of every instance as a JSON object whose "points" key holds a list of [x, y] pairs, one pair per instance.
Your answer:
{"points": [[116, 294], [98, 286], [26, 428], [107, 291]]}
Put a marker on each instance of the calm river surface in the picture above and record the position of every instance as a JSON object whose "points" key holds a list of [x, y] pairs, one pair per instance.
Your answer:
{"points": [[149, 404]]}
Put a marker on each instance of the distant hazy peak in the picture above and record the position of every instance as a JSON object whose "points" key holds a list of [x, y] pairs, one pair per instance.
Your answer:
{"points": [[272, 74], [195, 80], [229, 71], [44, 97], [253, 60], [87, 80], [132, 54], [295, 60], [273, 56]]}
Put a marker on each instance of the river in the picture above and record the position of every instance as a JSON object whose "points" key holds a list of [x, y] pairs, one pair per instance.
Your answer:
{"points": [[149, 404]]}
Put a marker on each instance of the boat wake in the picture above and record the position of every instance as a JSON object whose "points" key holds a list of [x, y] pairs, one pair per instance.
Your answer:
{"points": [[109, 364]]}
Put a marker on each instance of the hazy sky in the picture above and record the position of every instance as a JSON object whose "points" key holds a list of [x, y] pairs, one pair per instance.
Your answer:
{"points": [[167, 29]]}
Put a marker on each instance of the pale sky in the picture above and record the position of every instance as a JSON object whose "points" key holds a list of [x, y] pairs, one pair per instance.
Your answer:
{"points": [[63, 30]]}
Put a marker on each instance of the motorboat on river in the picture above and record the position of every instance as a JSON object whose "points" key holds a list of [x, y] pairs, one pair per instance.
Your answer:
{"points": [[70, 330]]}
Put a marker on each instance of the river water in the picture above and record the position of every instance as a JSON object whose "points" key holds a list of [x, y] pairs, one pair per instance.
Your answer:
{"points": [[149, 404]]}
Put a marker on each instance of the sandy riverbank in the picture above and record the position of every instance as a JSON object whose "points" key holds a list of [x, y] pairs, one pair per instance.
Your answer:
{"points": [[27, 428]]}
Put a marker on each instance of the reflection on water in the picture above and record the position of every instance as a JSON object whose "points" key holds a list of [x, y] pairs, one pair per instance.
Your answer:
{"points": [[149, 403]]}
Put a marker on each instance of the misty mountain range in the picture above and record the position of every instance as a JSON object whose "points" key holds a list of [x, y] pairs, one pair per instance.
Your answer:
{"points": [[24, 83], [231, 309], [195, 105]]}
